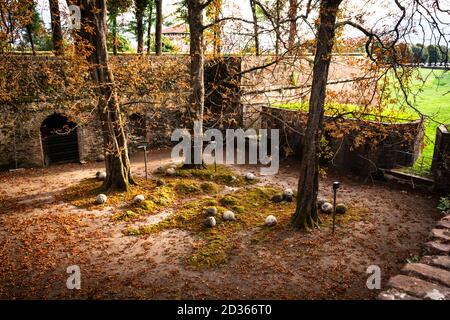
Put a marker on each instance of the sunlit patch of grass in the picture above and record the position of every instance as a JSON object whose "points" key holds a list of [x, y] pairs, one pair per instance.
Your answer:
{"points": [[353, 214], [251, 206], [223, 175], [159, 194]]}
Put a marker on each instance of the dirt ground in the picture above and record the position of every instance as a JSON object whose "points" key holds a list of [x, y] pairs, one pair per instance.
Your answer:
{"points": [[40, 236]]}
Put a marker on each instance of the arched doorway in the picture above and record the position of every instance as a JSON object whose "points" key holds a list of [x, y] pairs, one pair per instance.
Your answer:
{"points": [[59, 140]]}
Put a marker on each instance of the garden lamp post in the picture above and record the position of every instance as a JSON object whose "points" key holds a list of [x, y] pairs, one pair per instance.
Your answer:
{"points": [[214, 144], [336, 186]]}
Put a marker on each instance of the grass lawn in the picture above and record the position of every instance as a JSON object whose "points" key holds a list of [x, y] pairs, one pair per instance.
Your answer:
{"points": [[431, 99]]}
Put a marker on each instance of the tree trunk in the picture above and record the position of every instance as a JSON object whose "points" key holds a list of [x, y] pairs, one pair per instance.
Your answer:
{"points": [[149, 28], [292, 14], [158, 28], [30, 38], [114, 34], [57, 37], [197, 99], [277, 27], [118, 174], [255, 27], [306, 213], [139, 14]]}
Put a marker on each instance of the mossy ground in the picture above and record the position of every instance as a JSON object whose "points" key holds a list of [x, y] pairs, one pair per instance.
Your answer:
{"points": [[189, 193], [221, 175], [251, 205]]}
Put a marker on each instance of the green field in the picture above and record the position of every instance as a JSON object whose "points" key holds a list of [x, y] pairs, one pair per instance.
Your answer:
{"points": [[431, 99]]}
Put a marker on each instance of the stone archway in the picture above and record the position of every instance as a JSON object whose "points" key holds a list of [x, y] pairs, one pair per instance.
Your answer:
{"points": [[59, 140]]}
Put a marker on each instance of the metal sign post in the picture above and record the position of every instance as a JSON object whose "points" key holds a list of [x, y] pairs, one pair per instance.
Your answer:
{"points": [[336, 185], [145, 160]]}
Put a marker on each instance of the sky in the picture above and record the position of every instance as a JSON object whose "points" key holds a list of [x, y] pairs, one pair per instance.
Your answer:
{"points": [[375, 14]]}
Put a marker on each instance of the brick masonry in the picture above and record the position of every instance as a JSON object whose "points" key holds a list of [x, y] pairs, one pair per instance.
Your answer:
{"points": [[430, 277]]}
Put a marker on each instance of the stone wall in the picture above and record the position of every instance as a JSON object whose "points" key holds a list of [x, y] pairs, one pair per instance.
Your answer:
{"points": [[358, 146], [441, 160], [36, 87]]}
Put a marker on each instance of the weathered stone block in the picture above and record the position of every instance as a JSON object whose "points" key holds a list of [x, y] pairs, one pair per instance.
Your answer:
{"points": [[441, 234], [394, 294], [443, 223], [419, 288], [438, 261], [437, 247], [428, 272]]}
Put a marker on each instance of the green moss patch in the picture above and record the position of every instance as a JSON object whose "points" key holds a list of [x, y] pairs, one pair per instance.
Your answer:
{"points": [[250, 204], [223, 175]]}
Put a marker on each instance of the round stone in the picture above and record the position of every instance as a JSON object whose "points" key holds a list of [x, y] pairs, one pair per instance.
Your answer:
{"points": [[277, 198], [288, 192], [211, 211], [170, 171], [210, 222], [139, 198], [341, 208], [250, 176], [271, 221], [321, 201], [101, 198], [327, 208], [100, 158], [228, 216], [101, 176]]}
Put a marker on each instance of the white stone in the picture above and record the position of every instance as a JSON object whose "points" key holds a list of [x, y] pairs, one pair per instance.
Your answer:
{"points": [[139, 198], [170, 171], [101, 198], [249, 176], [101, 176], [228, 216], [327, 208], [210, 222], [271, 221]]}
